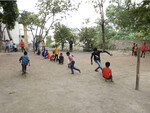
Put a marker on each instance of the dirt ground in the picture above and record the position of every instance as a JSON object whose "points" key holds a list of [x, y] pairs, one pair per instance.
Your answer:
{"points": [[51, 88]]}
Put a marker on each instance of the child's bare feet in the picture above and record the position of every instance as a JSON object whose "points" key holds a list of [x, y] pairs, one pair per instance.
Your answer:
{"points": [[79, 71], [96, 70]]}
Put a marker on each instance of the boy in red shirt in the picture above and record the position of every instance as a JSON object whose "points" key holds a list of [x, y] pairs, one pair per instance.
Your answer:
{"points": [[107, 74], [22, 45], [143, 49]]}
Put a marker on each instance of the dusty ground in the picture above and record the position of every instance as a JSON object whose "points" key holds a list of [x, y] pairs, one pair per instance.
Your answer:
{"points": [[50, 88]]}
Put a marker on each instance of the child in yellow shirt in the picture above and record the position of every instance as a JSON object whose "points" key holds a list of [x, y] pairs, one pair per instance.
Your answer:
{"points": [[56, 53]]}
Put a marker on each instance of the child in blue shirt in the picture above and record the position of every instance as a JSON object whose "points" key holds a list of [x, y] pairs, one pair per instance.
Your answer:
{"points": [[24, 60]]}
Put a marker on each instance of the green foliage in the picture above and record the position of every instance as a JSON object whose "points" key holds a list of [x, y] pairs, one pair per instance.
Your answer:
{"points": [[48, 40], [89, 38], [8, 13], [63, 34], [131, 16]]}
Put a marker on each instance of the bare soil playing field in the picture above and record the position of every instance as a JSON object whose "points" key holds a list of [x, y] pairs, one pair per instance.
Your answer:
{"points": [[51, 88]]}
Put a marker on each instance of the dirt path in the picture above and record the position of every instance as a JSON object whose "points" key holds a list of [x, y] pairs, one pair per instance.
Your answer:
{"points": [[50, 88]]}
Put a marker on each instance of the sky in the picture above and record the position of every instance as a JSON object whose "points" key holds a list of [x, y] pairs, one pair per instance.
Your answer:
{"points": [[75, 20]]}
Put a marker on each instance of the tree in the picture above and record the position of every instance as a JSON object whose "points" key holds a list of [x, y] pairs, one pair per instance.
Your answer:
{"points": [[51, 11], [130, 16], [48, 40], [99, 8], [89, 38], [8, 16], [62, 34]]}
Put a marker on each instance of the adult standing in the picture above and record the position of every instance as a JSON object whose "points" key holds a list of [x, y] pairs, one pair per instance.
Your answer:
{"points": [[22, 46], [96, 55], [143, 49], [71, 45]]}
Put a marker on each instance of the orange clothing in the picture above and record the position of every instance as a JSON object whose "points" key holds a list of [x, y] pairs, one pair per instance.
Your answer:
{"points": [[135, 48], [51, 56], [47, 53], [106, 72], [144, 48], [22, 44]]}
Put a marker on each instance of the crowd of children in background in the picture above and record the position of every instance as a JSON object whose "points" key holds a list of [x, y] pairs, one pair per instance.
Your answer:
{"points": [[135, 50]]}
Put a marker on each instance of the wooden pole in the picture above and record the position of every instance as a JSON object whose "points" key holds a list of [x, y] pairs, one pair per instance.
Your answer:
{"points": [[138, 70]]}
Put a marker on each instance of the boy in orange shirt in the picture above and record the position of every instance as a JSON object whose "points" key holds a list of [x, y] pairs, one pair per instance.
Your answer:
{"points": [[107, 74], [135, 50], [143, 49]]}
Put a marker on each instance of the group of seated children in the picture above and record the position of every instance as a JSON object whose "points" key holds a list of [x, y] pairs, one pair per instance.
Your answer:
{"points": [[53, 56]]}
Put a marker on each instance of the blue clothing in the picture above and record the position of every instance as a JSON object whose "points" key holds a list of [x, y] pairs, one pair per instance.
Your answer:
{"points": [[43, 53], [6, 44], [36, 44], [72, 67], [25, 60]]}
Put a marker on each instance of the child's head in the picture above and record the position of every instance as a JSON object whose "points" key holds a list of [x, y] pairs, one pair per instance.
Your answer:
{"points": [[144, 43], [61, 54], [53, 52], [95, 50], [56, 46], [46, 50], [136, 45], [68, 53], [25, 53], [107, 64], [133, 43]]}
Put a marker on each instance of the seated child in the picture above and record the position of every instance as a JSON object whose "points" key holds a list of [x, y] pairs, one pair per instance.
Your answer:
{"points": [[52, 56], [61, 59], [107, 74], [47, 55], [38, 52], [15, 47], [43, 53]]}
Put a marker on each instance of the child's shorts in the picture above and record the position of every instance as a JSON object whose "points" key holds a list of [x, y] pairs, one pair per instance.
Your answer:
{"points": [[110, 77]]}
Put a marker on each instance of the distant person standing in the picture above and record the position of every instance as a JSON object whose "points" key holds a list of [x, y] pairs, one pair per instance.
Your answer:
{"points": [[7, 46], [143, 49], [22, 46], [43, 45], [36, 46], [71, 45], [56, 53], [11, 45], [133, 49]]}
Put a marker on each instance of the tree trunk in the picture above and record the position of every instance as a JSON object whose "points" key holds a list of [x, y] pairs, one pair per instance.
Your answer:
{"points": [[62, 46], [103, 24], [1, 38], [25, 37], [9, 35]]}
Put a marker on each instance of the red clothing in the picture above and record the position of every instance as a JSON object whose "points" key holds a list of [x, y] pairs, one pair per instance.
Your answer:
{"points": [[144, 48], [106, 72], [51, 56], [47, 53], [22, 44]]}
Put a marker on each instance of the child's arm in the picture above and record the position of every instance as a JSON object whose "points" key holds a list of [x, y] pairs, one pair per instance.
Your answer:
{"points": [[20, 59]]}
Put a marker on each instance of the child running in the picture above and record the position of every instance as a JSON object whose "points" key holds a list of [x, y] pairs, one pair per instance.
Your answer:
{"points": [[107, 73], [96, 55], [143, 49], [61, 59], [72, 62], [56, 53], [24, 60]]}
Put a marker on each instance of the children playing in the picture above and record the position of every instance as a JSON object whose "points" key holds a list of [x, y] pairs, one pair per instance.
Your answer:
{"points": [[96, 55], [24, 60], [107, 73], [56, 53], [72, 62], [143, 49], [52, 56], [47, 55], [61, 59]]}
